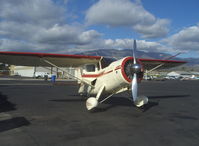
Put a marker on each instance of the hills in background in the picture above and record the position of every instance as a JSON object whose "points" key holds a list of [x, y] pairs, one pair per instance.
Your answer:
{"points": [[191, 65], [126, 52]]}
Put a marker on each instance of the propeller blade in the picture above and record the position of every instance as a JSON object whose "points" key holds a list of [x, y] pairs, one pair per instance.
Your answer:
{"points": [[134, 51], [134, 87], [141, 100]]}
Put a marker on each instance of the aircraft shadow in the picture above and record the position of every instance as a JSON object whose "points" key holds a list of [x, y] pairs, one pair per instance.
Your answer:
{"points": [[148, 106], [122, 101], [169, 96], [13, 123], [110, 103], [118, 101], [68, 100], [5, 105]]}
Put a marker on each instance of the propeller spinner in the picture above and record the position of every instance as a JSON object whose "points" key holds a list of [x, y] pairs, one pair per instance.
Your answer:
{"points": [[135, 71]]}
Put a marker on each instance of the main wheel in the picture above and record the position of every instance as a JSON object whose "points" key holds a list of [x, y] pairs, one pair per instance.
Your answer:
{"points": [[141, 100], [91, 103]]}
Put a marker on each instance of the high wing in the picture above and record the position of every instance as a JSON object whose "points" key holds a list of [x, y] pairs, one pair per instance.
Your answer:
{"points": [[163, 64], [39, 59], [64, 60]]}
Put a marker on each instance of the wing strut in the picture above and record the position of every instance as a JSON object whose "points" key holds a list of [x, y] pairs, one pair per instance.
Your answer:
{"points": [[158, 66], [74, 77]]}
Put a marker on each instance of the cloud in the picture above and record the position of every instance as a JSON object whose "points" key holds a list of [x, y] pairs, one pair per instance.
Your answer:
{"points": [[142, 45], [126, 13], [15, 45], [158, 29], [66, 34], [185, 40], [16, 30], [89, 36], [118, 13], [42, 26], [36, 12], [27, 25]]}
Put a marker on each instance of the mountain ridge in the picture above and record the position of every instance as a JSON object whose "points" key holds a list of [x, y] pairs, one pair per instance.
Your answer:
{"points": [[140, 54]]}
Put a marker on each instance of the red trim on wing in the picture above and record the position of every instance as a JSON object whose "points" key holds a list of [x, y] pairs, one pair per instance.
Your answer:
{"points": [[159, 60], [49, 55]]}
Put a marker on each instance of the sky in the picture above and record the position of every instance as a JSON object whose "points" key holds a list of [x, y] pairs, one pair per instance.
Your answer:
{"points": [[72, 26]]}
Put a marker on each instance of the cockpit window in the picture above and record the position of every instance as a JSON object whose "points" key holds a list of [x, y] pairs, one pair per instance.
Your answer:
{"points": [[90, 68], [107, 61]]}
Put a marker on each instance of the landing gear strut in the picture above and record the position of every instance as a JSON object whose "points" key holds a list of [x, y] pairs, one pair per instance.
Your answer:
{"points": [[92, 102]]}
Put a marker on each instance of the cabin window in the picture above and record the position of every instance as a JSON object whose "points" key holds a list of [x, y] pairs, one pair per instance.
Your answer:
{"points": [[107, 61], [90, 68]]}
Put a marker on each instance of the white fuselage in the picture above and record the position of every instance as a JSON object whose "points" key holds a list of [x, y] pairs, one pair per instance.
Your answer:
{"points": [[112, 77]]}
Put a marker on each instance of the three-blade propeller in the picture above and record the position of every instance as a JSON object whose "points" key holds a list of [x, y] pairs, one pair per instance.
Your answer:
{"points": [[135, 70]]}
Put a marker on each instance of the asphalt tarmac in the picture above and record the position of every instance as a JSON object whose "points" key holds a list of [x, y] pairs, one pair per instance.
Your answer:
{"points": [[37, 113]]}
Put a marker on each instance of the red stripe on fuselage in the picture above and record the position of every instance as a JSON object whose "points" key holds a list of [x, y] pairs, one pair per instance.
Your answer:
{"points": [[118, 67], [96, 75], [100, 74]]}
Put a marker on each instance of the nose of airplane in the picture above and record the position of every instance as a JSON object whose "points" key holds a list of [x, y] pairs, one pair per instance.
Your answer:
{"points": [[136, 68]]}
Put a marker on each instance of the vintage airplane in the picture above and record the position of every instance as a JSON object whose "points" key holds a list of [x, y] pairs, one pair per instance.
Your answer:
{"points": [[98, 76]]}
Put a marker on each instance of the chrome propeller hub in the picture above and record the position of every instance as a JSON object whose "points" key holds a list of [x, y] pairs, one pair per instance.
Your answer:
{"points": [[136, 68]]}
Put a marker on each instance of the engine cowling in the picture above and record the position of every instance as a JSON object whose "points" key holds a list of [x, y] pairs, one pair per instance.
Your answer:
{"points": [[129, 68], [118, 75]]}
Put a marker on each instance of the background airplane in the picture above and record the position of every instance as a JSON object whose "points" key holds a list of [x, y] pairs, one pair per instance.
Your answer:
{"points": [[98, 76]]}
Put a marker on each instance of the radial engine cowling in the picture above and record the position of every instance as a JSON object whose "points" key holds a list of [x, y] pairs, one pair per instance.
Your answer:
{"points": [[129, 68]]}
